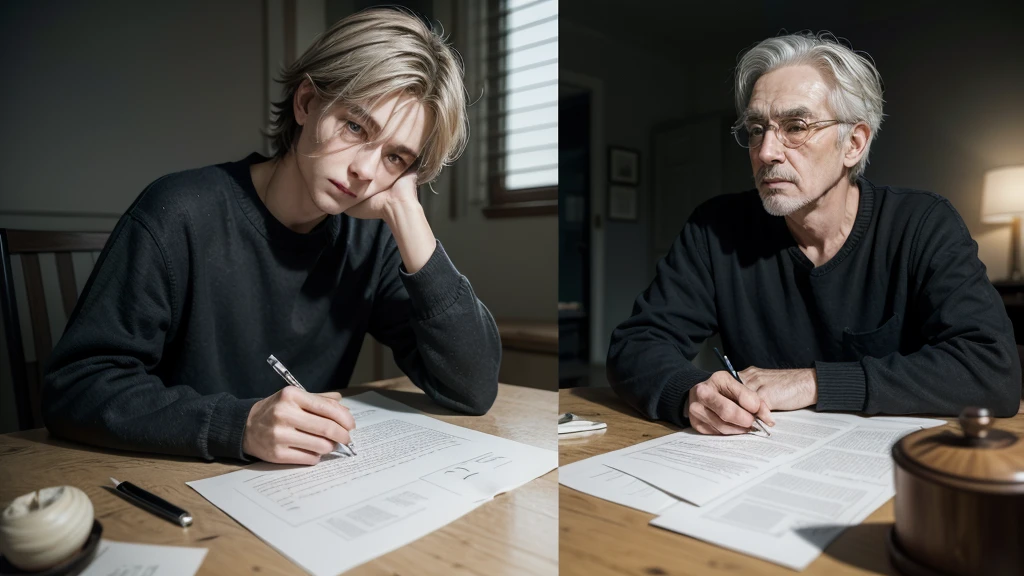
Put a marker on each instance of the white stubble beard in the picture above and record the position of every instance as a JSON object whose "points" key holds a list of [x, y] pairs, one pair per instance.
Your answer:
{"points": [[778, 205]]}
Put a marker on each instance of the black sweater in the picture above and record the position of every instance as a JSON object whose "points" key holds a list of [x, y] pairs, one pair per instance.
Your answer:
{"points": [[167, 348], [901, 320]]}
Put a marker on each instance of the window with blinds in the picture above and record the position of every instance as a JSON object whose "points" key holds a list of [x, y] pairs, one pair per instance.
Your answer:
{"points": [[522, 106]]}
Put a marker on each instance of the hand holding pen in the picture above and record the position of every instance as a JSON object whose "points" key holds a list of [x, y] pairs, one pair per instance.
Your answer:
{"points": [[348, 448], [732, 371], [296, 427], [723, 405]]}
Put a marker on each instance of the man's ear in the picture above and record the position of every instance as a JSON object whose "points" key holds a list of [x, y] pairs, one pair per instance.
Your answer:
{"points": [[303, 102], [856, 144]]}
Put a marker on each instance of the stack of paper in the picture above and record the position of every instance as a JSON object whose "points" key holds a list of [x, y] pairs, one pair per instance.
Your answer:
{"points": [[412, 475], [781, 498]]}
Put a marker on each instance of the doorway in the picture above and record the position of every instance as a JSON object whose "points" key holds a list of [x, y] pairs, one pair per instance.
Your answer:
{"points": [[574, 209]]}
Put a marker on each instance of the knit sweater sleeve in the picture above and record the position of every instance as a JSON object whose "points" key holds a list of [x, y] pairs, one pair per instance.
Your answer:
{"points": [[101, 387], [649, 358], [969, 357], [441, 335]]}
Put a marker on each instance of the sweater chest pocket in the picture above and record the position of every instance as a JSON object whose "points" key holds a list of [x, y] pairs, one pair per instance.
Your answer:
{"points": [[876, 343]]}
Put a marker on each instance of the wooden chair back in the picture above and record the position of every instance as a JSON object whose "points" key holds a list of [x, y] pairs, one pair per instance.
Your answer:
{"points": [[27, 372]]}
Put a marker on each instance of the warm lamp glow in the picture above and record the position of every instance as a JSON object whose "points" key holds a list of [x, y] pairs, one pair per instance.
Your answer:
{"points": [[1003, 201], [1003, 196]]}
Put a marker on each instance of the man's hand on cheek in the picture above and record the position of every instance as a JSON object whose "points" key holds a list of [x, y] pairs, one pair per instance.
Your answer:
{"points": [[401, 194], [400, 208], [783, 389]]}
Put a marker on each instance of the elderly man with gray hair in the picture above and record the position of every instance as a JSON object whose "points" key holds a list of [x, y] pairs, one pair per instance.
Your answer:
{"points": [[827, 290]]}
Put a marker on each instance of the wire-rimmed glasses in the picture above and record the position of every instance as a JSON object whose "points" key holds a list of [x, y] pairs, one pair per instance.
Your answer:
{"points": [[792, 132]]}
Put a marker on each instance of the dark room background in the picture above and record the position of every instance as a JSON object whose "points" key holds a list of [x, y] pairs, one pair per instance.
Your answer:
{"points": [[655, 78]]}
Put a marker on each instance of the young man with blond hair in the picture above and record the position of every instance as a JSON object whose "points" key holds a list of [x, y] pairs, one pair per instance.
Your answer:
{"points": [[300, 255]]}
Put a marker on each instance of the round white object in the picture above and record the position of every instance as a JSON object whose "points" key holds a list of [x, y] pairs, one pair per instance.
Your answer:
{"points": [[41, 529]]}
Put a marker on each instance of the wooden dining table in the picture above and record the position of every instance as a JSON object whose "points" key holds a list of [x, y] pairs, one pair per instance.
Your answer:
{"points": [[516, 533], [598, 537]]}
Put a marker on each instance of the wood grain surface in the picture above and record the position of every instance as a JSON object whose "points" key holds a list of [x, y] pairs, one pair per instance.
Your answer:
{"points": [[529, 336], [597, 537], [516, 533]]}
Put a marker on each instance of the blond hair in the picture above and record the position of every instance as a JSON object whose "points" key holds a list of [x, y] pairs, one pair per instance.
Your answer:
{"points": [[855, 93], [373, 54]]}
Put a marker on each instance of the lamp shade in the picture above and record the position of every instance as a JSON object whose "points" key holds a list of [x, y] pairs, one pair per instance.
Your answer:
{"points": [[1003, 196]]}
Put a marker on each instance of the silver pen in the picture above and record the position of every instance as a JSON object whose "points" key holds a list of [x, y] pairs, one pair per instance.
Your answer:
{"points": [[291, 380], [728, 366], [735, 374]]}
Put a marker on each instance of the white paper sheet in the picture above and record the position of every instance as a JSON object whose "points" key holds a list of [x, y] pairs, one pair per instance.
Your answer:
{"points": [[592, 476], [698, 468], [790, 514], [126, 559], [412, 475]]}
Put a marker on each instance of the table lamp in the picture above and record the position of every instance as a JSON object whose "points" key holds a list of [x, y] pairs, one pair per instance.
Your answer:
{"points": [[1002, 202]]}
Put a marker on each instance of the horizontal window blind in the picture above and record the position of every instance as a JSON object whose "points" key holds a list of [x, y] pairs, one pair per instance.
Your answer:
{"points": [[522, 100]]}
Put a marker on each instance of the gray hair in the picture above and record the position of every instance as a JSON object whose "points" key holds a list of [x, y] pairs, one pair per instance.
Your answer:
{"points": [[855, 93], [369, 56]]}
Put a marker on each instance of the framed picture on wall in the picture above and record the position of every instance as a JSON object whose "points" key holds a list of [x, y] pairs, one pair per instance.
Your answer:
{"points": [[623, 203], [623, 165]]}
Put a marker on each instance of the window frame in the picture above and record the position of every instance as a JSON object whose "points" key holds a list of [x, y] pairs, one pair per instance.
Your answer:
{"points": [[503, 202]]}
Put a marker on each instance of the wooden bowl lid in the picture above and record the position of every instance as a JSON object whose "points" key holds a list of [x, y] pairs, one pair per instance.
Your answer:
{"points": [[980, 456]]}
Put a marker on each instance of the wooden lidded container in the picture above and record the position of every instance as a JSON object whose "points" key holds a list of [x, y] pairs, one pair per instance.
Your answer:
{"points": [[959, 500]]}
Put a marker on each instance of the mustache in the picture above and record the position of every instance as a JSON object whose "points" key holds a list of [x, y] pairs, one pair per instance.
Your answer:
{"points": [[775, 172]]}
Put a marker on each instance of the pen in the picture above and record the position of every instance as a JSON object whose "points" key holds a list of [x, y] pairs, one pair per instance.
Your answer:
{"points": [[153, 503], [728, 366], [284, 373]]}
